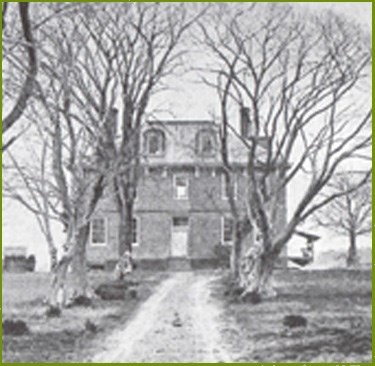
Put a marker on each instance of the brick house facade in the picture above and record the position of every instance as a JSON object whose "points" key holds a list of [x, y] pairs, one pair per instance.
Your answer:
{"points": [[181, 213]]}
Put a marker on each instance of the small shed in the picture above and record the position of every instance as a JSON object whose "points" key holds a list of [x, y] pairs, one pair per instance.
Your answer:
{"points": [[15, 260], [306, 251]]}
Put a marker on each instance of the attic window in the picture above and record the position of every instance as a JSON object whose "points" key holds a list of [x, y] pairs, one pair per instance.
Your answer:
{"points": [[205, 142], [154, 142]]}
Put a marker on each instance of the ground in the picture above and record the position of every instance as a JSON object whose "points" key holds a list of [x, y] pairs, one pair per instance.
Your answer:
{"points": [[190, 318], [177, 324], [336, 304], [63, 339]]}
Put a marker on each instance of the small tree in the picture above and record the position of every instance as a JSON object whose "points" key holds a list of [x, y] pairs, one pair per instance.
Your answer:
{"points": [[29, 185], [350, 214]]}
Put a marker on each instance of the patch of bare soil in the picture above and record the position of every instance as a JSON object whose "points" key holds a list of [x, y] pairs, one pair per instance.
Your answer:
{"points": [[335, 304]]}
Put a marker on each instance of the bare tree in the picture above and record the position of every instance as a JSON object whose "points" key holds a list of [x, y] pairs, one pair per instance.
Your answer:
{"points": [[350, 214], [73, 135], [308, 115], [102, 59], [29, 185], [29, 48], [142, 42], [20, 59]]}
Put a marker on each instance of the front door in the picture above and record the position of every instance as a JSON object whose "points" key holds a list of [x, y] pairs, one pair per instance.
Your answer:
{"points": [[180, 230]]}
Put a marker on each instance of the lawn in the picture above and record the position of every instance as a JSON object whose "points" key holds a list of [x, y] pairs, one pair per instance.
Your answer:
{"points": [[65, 338], [336, 304]]}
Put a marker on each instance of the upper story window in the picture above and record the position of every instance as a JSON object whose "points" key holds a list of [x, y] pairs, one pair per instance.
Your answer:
{"points": [[232, 188], [154, 142], [205, 143], [98, 231], [180, 187]]}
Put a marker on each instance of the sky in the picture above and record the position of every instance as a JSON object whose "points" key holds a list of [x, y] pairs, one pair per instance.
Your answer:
{"points": [[19, 226]]}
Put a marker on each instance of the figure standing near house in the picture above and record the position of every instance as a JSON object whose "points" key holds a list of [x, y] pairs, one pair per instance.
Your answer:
{"points": [[124, 266]]}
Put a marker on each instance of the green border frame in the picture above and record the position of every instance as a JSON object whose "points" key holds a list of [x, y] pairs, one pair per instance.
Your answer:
{"points": [[373, 215]]}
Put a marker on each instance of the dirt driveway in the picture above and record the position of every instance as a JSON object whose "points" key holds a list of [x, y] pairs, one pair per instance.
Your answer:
{"points": [[178, 323]]}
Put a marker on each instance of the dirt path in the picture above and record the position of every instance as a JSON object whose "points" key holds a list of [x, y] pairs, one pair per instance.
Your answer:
{"points": [[178, 323]]}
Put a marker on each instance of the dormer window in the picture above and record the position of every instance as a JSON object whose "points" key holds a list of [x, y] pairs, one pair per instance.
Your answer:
{"points": [[154, 142], [205, 142]]}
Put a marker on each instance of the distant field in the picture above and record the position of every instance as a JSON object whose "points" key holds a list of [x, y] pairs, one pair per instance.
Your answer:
{"points": [[63, 339], [336, 304]]}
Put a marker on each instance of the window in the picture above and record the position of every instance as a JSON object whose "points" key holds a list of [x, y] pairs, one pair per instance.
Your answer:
{"points": [[154, 142], [224, 186], [98, 230], [135, 231], [180, 187], [180, 221], [227, 230], [205, 143]]}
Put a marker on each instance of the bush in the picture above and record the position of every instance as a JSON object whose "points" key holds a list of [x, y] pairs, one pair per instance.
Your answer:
{"points": [[133, 293], [222, 254], [112, 291], [15, 327], [116, 290], [293, 321], [90, 326], [53, 312], [81, 301], [252, 298]]}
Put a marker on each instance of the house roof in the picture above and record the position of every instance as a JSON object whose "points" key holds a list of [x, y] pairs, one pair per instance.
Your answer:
{"points": [[181, 144]]}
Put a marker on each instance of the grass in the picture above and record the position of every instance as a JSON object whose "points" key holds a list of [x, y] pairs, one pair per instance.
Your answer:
{"points": [[336, 304], [65, 338]]}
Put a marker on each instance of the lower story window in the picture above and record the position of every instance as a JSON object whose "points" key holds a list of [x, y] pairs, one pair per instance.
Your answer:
{"points": [[135, 231], [227, 230], [98, 230]]}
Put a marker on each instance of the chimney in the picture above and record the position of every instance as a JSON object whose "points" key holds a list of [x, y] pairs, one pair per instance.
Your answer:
{"points": [[245, 122]]}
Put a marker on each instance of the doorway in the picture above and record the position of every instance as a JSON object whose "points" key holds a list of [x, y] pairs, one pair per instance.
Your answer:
{"points": [[179, 241]]}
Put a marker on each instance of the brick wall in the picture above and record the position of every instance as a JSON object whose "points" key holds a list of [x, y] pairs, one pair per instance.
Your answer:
{"points": [[155, 207]]}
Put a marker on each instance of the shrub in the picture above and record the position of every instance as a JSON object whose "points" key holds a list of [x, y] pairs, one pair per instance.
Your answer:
{"points": [[81, 301], [293, 321], [90, 326], [111, 291], [53, 312], [15, 327], [222, 254], [116, 290], [133, 293]]}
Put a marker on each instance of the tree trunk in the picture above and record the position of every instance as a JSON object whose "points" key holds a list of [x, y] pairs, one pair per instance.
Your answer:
{"points": [[58, 292], [79, 286], [256, 272], [61, 289], [125, 237], [352, 260], [125, 233], [236, 256]]}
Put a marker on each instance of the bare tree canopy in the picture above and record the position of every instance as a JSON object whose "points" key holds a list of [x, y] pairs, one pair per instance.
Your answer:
{"points": [[302, 86], [28, 44], [349, 214], [99, 68], [304, 82]]}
